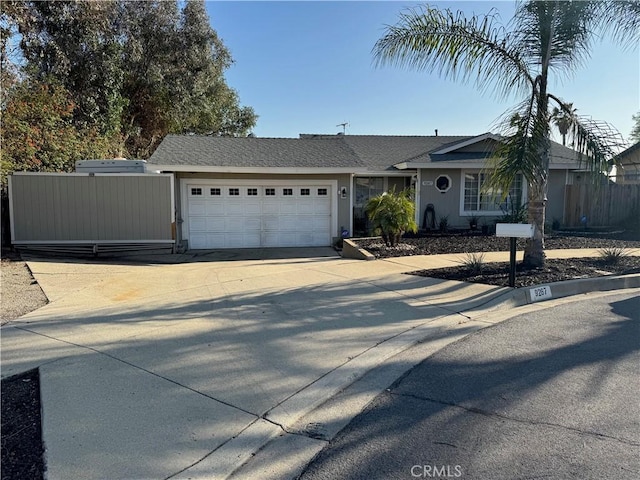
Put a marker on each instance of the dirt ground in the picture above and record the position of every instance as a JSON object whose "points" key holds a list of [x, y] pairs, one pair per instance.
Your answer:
{"points": [[19, 292]]}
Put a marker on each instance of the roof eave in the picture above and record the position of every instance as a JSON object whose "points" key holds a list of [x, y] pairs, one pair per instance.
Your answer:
{"points": [[473, 164], [259, 170], [466, 143]]}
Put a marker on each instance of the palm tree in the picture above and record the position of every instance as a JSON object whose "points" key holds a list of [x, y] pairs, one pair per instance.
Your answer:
{"points": [[544, 37], [562, 119]]}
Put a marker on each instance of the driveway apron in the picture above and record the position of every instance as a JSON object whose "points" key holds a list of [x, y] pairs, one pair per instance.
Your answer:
{"points": [[151, 370]]}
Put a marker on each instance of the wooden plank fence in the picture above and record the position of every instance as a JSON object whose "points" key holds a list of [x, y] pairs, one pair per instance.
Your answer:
{"points": [[603, 206]]}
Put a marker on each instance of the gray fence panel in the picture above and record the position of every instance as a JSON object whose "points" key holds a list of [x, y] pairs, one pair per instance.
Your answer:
{"points": [[98, 208]]}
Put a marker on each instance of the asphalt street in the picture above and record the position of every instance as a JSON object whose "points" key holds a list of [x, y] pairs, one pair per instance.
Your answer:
{"points": [[551, 394]]}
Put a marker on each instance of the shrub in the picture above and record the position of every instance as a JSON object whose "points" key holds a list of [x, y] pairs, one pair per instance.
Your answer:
{"points": [[612, 255], [444, 223], [474, 262], [392, 214], [514, 212]]}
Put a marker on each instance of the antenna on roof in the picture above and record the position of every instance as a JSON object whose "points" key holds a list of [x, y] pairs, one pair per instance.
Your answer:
{"points": [[344, 127]]}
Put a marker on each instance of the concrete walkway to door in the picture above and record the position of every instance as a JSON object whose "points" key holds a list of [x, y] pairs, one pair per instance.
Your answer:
{"points": [[151, 369]]}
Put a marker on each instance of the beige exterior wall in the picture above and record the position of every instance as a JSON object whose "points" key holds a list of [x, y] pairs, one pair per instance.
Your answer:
{"points": [[101, 208]]}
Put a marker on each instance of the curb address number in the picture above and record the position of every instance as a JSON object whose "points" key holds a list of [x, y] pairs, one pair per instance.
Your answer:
{"points": [[540, 293]]}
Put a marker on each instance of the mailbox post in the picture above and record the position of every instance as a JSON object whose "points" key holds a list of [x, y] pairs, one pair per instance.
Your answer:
{"points": [[513, 231]]}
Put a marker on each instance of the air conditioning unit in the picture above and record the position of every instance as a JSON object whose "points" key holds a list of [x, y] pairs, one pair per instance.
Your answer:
{"points": [[111, 166]]}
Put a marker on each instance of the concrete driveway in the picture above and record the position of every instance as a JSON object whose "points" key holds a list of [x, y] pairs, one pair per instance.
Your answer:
{"points": [[157, 370]]}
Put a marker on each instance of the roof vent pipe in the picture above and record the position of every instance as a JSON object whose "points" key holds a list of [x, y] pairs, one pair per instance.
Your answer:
{"points": [[436, 132]]}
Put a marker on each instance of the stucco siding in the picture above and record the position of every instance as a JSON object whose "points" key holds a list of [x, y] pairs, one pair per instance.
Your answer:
{"points": [[449, 203], [97, 208], [445, 203], [555, 196]]}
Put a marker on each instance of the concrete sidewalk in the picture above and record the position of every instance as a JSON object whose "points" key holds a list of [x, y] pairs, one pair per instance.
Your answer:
{"points": [[152, 370]]}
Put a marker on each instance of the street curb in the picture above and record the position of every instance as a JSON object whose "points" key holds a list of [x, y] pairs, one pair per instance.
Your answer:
{"points": [[296, 415]]}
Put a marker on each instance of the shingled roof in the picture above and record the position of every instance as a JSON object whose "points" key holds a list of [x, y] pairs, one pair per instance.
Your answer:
{"points": [[356, 152], [381, 152], [245, 152]]}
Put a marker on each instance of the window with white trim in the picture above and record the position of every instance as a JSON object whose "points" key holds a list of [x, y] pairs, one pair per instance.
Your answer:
{"points": [[478, 197], [196, 191]]}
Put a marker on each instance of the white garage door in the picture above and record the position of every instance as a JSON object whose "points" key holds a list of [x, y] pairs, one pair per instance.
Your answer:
{"points": [[246, 216]]}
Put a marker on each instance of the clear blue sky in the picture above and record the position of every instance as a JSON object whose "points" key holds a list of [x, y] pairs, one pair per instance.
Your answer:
{"points": [[307, 66]]}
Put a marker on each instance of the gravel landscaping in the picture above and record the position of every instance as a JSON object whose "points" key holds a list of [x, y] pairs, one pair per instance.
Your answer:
{"points": [[465, 243]]}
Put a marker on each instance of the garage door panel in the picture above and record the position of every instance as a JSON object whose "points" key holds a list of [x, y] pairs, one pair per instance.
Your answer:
{"points": [[251, 240], [253, 224], [252, 208], [233, 208], [271, 222], [215, 225], [323, 207], [198, 224], [236, 216], [305, 207], [288, 207], [304, 223], [197, 207], [321, 224], [215, 207], [270, 207], [198, 240], [289, 223]]}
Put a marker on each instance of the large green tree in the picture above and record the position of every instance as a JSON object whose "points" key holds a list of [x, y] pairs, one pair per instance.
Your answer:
{"points": [[135, 71], [38, 131], [544, 38]]}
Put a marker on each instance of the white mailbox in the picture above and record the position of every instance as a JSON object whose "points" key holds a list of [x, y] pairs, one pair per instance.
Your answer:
{"points": [[516, 230]]}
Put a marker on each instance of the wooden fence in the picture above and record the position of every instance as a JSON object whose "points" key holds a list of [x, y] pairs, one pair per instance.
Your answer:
{"points": [[602, 206]]}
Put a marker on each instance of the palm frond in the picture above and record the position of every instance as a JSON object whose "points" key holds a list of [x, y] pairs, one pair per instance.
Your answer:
{"points": [[553, 34], [461, 49], [525, 139], [596, 142], [620, 19]]}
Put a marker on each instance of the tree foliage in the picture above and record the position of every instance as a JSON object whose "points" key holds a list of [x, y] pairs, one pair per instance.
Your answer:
{"points": [[38, 131], [544, 38], [392, 214], [635, 131], [132, 71]]}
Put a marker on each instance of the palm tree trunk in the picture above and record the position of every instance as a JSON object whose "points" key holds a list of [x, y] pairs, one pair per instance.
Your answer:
{"points": [[534, 256]]}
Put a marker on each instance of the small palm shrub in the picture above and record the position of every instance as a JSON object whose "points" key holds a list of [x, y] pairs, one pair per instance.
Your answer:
{"points": [[474, 263], [612, 255], [392, 214]]}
